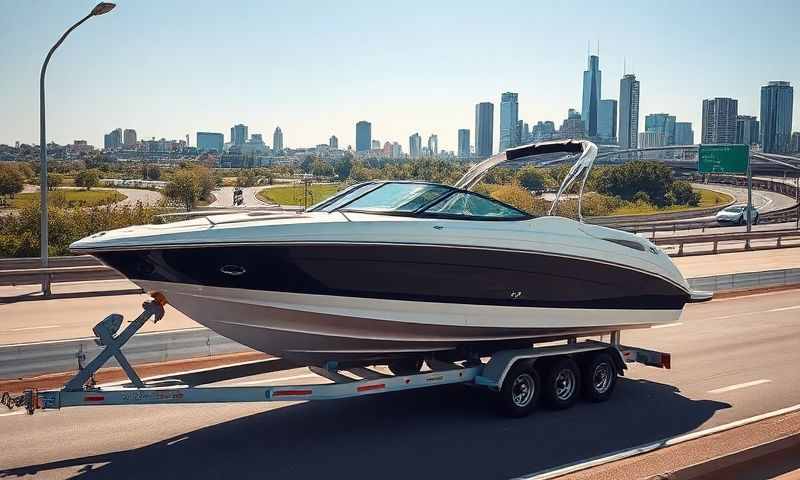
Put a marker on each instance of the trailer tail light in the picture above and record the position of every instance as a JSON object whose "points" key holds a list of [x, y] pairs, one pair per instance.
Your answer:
{"points": [[291, 393], [94, 398]]}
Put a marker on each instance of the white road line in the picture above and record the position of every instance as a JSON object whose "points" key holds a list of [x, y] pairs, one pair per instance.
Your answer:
{"points": [[668, 325], [740, 386], [23, 329], [783, 309], [18, 412]]}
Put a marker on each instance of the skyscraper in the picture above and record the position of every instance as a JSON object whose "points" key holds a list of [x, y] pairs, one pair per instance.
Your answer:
{"points": [[662, 123], [607, 121], [628, 111], [484, 129], [333, 142], [543, 131], [238, 134], [509, 115], [463, 143], [776, 116], [573, 126], [433, 145], [363, 136], [794, 143], [415, 145], [719, 120], [650, 139], [747, 130], [592, 78], [684, 135], [277, 140], [113, 140], [129, 137], [208, 141]]}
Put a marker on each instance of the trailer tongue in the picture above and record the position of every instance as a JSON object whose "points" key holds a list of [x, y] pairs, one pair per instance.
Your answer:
{"points": [[559, 372]]}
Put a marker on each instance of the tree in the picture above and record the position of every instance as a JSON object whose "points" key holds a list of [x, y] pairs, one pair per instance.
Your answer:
{"points": [[151, 172], [625, 181], [499, 176], [87, 178], [206, 181], [184, 188], [343, 166], [307, 164], [11, 180], [321, 169], [531, 178], [682, 194], [246, 178], [54, 180]]}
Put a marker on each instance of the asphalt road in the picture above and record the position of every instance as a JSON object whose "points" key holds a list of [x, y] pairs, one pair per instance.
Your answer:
{"points": [[224, 197], [732, 359]]}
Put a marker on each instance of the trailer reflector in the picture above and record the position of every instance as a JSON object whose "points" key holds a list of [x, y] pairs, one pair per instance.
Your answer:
{"points": [[374, 386], [94, 398], [288, 393]]}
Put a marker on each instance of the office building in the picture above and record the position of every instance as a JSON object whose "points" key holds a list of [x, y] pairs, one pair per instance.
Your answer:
{"points": [[463, 143], [573, 126], [509, 115], [129, 137], [113, 140], [376, 144], [628, 131], [397, 150], [543, 131], [719, 120], [433, 145], [747, 130], [210, 141], [238, 134], [650, 139], [277, 140], [415, 145], [776, 116], [662, 123], [484, 129], [592, 79], [794, 143], [607, 121], [684, 135], [363, 136], [333, 142]]}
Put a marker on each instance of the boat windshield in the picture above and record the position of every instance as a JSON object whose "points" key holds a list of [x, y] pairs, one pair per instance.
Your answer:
{"points": [[343, 197], [397, 198]]}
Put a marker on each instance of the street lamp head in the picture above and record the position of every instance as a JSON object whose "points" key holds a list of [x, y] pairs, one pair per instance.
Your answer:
{"points": [[103, 7]]}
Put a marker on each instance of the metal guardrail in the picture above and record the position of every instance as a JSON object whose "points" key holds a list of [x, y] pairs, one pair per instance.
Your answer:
{"points": [[714, 239], [28, 359]]}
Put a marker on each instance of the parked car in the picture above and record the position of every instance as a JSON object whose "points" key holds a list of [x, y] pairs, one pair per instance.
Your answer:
{"points": [[736, 215]]}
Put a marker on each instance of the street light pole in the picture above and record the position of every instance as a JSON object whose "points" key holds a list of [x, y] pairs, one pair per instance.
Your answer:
{"points": [[100, 9]]}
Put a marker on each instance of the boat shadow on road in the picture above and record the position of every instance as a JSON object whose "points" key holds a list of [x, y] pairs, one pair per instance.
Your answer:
{"points": [[450, 432]]}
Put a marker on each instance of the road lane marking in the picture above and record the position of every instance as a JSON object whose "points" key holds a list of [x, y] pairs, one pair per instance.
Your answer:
{"points": [[668, 325], [18, 412], [740, 386], [23, 329], [783, 309]]}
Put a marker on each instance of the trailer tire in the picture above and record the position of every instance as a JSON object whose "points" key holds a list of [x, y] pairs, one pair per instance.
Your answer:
{"points": [[599, 377], [562, 383], [405, 366], [520, 391]]}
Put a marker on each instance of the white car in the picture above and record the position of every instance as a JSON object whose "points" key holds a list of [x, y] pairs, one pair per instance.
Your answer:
{"points": [[736, 215]]}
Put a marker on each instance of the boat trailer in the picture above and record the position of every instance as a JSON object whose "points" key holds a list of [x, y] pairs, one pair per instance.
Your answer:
{"points": [[515, 374]]}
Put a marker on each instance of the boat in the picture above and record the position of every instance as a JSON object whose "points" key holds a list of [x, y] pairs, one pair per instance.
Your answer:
{"points": [[396, 271]]}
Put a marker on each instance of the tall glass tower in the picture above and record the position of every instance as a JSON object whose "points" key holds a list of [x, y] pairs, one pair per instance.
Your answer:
{"points": [[776, 116], [628, 111], [509, 115], [363, 136], [592, 78], [463, 143], [484, 129], [277, 140]]}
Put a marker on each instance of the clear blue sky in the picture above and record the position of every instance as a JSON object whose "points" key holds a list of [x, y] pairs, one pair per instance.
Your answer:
{"points": [[168, 68]]}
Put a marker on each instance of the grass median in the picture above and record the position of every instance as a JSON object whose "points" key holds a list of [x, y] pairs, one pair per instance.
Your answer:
{"points": [[295, 194]]}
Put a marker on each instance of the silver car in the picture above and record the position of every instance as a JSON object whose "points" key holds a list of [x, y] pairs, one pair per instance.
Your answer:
{"points": [[736, 215]]}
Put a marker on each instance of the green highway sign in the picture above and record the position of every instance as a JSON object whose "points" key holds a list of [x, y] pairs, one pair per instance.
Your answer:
{"points": [[723, 158]]}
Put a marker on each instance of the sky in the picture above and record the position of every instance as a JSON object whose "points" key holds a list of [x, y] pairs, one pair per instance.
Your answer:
{"points": [[171, 68]]}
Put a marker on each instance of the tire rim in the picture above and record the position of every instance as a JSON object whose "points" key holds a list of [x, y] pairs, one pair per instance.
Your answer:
{"points": [[565, 384], [522, 390], [601, 378]]}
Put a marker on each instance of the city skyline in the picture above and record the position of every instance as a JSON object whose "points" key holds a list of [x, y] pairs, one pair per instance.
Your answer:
{"points": [[441, 101]]}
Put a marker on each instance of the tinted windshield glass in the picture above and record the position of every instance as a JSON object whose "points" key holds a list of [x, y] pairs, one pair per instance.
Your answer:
{"points": [[734, 209], [398, 197], [331, 204], [471, 205]]}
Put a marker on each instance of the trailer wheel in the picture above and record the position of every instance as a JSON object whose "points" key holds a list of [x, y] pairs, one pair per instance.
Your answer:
{"points": [[562, 383], [520, 391], [599, 377], [405, 366]]}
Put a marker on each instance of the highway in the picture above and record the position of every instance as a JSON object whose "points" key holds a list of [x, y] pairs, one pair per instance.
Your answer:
{"points": [[732, 359]]}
